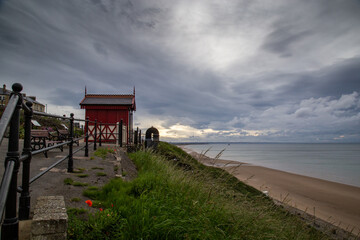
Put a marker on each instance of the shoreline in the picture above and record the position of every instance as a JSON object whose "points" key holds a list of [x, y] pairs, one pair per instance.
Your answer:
{"points": [[335, 203]]}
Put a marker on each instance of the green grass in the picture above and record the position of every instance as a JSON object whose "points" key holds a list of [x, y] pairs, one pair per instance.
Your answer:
{"points": [[92, 192], [100, 174], [97, 168], [79, 170], [102, 152], [76, 211], [82, 175], [70, 181], [75, 200], [175, 197]]}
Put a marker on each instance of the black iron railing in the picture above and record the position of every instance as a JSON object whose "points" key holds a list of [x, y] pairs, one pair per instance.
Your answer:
{"points": [[13, 159]]}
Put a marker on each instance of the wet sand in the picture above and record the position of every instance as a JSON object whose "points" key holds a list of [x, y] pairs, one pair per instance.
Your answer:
{"points": [[336, 203]]}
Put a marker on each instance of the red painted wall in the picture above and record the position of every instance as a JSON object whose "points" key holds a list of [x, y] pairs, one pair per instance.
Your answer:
{"points": [[108, 115]]}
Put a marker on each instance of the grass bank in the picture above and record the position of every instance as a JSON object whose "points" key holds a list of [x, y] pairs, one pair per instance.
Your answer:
{"points": [[175, 197]]}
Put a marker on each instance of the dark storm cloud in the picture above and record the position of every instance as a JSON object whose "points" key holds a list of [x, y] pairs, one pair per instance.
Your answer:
{"points": [[65, 97], [340, 78], [227, 70]]}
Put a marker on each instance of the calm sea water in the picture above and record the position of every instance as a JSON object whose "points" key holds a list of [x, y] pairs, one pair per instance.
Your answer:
{"points": [[334, 162]]}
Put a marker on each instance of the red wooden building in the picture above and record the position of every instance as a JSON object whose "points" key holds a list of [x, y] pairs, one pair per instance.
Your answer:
{"points": [[110, 109]]}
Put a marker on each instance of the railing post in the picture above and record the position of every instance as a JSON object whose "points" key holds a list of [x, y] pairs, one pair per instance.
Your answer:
{"points": [[95, 134], [140, 136], [24, 202], [120, 133], [87, 137], [100, 135], [70, 162], [134, 138], [10, 227]]}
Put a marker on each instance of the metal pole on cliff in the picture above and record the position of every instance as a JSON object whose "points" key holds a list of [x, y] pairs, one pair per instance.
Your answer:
{"points": [[70, 162], [10, 227], [95, 134], [100, 135], [24, 205], [121, 133], [87, 137]]}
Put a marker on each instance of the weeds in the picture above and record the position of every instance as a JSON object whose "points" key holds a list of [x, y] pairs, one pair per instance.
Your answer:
{"points": [[82, 175], [101, 174], [102, 152], [70, 181], [79, 170], [97, 168]]}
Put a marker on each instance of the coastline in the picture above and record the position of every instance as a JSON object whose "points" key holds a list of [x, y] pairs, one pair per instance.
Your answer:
{"points": [[332, 202]]}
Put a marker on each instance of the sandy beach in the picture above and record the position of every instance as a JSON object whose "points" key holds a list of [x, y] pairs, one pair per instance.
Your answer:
{"points": [[332, 202]]}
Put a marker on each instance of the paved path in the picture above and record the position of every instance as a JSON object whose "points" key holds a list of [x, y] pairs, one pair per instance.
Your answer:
{"points": [[52, 183]]}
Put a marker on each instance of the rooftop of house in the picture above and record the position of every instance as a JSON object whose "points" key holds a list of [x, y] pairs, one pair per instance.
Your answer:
{"points": [[109, 99], [4, 91]]}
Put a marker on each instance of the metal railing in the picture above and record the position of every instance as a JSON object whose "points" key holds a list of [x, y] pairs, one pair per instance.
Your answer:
{"points": [[13, 159]]}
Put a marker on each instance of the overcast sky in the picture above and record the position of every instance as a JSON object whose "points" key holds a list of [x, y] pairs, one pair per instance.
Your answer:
{"points": [[204, 70]]}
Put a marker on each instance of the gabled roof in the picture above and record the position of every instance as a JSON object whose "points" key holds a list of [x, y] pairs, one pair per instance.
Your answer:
{"points": [[104, 99], [29, 99]]}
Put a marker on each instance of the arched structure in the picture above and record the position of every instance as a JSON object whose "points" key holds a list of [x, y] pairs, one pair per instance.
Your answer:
{"points": [[152, 137]]}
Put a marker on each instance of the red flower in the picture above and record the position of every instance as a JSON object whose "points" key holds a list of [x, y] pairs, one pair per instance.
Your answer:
{"points": [[112, 205], [101, 209], [89, 202]]}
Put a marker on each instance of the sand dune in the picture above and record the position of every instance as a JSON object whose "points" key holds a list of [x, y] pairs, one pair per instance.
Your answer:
{"points": [[333, 202]]}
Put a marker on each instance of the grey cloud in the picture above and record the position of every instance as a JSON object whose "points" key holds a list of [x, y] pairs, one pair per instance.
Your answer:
{"points": [[340, 78], [111, 46], [65, 97], [281, 40]]}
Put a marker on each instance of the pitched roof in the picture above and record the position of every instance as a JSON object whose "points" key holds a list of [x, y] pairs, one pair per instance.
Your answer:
{"points": [[29, 99], [103, 99]]}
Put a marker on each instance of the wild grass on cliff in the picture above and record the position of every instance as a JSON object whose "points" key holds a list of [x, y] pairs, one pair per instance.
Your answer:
{"points": [[175, 197]]}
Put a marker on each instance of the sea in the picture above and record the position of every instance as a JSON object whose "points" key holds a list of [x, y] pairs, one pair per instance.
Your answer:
{"points": [[336, 162]]}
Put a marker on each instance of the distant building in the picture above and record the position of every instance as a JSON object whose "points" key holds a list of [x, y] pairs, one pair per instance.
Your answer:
{"points": [[108, 108], [37, 106], [5, 95]]}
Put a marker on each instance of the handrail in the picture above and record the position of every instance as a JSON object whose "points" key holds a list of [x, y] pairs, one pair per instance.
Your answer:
{"points": [[48, 169], [5, 184], [49, 115], [6, 117], [49, 148]]}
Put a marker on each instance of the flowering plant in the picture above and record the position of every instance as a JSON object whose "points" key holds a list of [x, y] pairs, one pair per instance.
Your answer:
{"points": [[89, 202]]}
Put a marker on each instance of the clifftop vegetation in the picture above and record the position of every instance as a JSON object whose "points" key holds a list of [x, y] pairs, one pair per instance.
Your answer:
{"points": [[175, 197]]}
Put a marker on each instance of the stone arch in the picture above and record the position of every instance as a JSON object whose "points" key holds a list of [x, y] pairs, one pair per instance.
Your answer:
{"points": [[152, 137]]}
